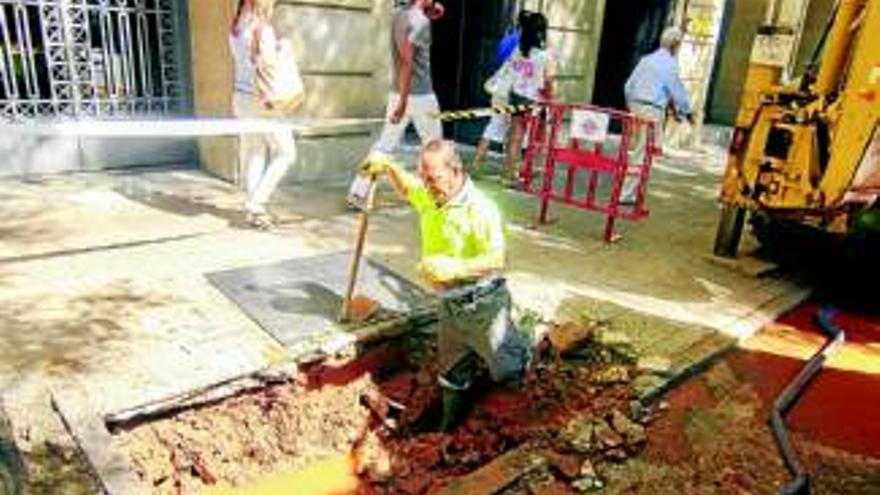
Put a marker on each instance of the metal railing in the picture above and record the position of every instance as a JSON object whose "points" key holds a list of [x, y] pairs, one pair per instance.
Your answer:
{"points": [[88, 58]]}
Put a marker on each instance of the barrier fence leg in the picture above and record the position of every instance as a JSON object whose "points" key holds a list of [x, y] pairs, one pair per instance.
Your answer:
{"points": [[549, 168], [618, 180], [527, 174]]}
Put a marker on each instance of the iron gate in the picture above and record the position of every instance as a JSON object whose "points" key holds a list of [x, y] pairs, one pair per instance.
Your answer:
{"points": [[88, 58]]}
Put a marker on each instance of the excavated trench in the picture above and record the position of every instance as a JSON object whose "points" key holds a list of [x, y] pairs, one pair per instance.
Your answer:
{"points": [[334, 428]]}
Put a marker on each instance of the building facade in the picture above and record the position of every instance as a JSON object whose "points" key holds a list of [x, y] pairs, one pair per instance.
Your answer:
{"points": [[88, 60], [118, 59]]}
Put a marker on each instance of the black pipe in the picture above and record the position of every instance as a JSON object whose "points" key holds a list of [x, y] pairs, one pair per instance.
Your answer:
{"points": [[800, 485]]}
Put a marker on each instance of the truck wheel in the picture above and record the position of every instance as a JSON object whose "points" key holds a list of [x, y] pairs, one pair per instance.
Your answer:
{"points": [[730, 227]]}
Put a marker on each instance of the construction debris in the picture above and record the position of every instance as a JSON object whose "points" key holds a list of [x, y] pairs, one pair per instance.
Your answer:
{"points": [[658, 365], [613, 374], [633, 433], [569, 336], [372, 408], [498, 474]]}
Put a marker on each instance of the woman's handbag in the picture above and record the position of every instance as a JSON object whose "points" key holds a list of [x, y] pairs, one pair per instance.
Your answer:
{"points": [[501, 83], [278, 81]]}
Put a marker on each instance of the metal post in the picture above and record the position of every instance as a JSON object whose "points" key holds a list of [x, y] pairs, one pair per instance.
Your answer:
{"points": [[549, 164], [9, 82]]}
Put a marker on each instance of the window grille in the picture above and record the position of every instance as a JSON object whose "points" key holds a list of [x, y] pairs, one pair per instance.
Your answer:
{"points": [[88, 59]]}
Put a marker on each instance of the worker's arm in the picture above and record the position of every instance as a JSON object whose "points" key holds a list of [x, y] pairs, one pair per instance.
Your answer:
{"points": [[402, 181], [678, 93]]}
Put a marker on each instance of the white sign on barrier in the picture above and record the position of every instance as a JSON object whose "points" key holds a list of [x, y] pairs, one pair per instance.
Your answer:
{"points": [[589, 125]]}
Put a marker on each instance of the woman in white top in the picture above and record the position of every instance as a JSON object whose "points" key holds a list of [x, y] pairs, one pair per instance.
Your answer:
{"points": [[264, 157], [530, 72]]}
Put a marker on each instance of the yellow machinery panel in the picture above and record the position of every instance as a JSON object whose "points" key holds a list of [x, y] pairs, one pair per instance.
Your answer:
{"points": [[806, 152]]}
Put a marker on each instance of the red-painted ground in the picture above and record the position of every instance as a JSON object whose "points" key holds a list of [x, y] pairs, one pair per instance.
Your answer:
{"points": [[713, 437], [841, 407]]}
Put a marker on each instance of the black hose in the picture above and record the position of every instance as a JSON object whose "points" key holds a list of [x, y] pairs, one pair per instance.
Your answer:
{"points": [[787, 399]]}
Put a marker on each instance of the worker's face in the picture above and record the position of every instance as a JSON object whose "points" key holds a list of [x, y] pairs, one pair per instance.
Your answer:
{"points": [[441, 180]]}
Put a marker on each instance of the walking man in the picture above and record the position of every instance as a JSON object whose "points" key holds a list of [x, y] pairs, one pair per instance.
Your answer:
{"points": [[463, 257], [652, 87], [412, 98]]}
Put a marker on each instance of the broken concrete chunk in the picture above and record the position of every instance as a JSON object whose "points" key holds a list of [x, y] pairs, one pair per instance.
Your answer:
{"points": [[613, 339], [569, 336], [633, 433], [615, 455], [588, 484], [569, 466], [605, 436], [498, 474], [578, 433], [638, 411], [588, 470], [612, 374], [547, 488], [648, 385], [658, 365]]}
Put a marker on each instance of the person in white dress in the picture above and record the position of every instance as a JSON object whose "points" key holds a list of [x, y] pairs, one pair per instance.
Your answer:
{"points": [[527, 76], [263, 158]]}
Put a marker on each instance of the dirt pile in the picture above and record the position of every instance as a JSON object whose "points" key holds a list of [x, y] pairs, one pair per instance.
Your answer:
{"points": [[575, 413], [282, 427]]}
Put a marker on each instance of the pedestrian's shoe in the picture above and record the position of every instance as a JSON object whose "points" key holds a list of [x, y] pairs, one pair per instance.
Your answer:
{"points": [[260, 221]]}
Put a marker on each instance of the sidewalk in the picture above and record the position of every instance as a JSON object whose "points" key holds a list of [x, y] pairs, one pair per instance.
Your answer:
{"points": [[102, 278]]}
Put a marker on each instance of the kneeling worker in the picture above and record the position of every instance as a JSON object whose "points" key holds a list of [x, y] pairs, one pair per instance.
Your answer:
{"points": [[463, 257]]}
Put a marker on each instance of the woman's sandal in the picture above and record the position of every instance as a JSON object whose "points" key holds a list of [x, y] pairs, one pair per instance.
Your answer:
{"points": [[260, 221]]}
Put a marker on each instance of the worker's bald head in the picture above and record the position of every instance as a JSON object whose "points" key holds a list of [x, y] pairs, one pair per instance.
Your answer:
{"points": [[441, 169]]}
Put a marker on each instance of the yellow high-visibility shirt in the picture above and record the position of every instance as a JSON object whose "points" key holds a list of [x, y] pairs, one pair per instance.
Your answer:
{"points": [[468, 226]]}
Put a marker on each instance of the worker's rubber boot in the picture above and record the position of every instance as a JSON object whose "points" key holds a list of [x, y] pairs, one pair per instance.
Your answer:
{"points": [[455, 406]]}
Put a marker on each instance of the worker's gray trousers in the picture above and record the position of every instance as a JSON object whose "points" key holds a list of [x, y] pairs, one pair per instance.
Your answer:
{"points": [[476, 324], [639, 145]]}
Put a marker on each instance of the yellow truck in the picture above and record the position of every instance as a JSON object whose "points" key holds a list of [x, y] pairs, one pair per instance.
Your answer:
{"points": [[808, 153]]}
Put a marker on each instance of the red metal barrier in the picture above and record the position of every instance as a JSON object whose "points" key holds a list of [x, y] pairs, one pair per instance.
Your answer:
{"points": [[585, 147]]}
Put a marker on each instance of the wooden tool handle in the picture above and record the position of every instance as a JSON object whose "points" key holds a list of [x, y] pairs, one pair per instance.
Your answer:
{"points": [[358, 251]]}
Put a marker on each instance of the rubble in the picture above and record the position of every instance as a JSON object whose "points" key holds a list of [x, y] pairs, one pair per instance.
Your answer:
{"points": [[612, 374], [612, 338], [374, 412], [578, 433], [568, 465], [605, 436], [658, 365], [568, 336], [633, 433], [587, 469], [587, 484], [615, 455]]}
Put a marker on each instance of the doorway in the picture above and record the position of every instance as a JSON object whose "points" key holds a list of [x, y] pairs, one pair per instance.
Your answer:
{"points": [[631, 29], [464, 44]]}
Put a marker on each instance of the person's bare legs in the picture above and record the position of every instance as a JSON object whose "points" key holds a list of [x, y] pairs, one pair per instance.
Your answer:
{"points": [[514, 151], [482, 147]]}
